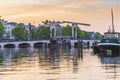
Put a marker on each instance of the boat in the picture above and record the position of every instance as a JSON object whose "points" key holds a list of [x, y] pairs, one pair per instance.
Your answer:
{"points": [[110, 43]]}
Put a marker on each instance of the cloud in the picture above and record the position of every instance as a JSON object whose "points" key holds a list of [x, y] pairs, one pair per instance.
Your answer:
{"points": [[96, 12]]}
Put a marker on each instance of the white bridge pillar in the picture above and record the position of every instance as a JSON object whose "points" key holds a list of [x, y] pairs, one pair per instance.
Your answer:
{"points": [[74, 30], [31, 44], [54, 35], [2, 46], [16, 45]]}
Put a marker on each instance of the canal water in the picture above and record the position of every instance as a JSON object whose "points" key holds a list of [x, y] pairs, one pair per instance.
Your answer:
{"points": [[60, 64]]}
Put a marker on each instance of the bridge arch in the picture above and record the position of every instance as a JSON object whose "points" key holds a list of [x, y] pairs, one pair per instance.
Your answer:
{"points": [[9, 46], [38, 44], [24, 45], [79, 44], [76, 44]]}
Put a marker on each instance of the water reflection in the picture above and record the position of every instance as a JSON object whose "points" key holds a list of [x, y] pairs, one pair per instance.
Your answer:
{"points": [[112, 66], [56, 63]]}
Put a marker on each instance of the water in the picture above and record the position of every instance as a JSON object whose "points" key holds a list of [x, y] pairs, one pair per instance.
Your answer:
{"points": [[59, 64]]}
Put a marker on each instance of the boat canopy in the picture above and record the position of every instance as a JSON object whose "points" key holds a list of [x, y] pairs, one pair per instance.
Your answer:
{"points": [[112, 35]]}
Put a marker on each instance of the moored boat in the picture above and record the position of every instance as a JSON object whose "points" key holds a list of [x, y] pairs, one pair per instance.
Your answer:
{"points": [[110, 44]]}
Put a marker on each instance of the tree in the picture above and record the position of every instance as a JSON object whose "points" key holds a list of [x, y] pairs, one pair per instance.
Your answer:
{"points": [[47, 22], [33, 34], [67, 31], [2, 30], [44, 32], [97, 35], [81, 34], [53, 32], [87, 35], [20, 33], [8, 34]]}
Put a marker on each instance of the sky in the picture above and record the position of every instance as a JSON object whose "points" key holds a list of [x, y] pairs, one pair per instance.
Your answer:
{"points": [[94, 12]]}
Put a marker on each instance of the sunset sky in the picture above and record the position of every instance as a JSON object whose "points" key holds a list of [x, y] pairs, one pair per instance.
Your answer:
{"points": [[95, 12]]}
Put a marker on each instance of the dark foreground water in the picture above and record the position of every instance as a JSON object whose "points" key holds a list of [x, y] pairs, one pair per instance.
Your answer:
{"points": [[60, 64]]}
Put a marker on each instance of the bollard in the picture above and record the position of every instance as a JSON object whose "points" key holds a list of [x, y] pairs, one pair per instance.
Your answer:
{"points": [[88, 44], [80, 49], [81, 54], [78, 53]]}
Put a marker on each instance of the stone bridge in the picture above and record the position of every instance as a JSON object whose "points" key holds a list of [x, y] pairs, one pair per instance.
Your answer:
{"points": [[84, 41], [33, 43], [28, 43]]}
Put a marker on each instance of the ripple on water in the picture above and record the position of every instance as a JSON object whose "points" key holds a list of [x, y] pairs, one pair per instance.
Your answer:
{"points": [[27, 64]]}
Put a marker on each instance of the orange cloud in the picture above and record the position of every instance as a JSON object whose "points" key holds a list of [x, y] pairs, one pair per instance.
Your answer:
{"points": [[95, 12]]}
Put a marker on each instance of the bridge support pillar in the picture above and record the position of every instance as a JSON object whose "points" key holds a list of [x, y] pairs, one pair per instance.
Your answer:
{"points": [[47, 44], [2, 46], [31, 44], [16, 46], [72, 44]]}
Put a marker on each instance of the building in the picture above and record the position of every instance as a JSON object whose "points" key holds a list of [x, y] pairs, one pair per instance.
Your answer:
{"points": [[8, 29], [9, 26]]}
